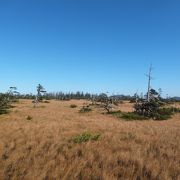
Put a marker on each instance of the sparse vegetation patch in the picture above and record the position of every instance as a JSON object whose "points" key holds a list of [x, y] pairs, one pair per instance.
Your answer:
{"points": [[127, 115], [84, 137], [85, 109], [128, 136], [132, 116]]}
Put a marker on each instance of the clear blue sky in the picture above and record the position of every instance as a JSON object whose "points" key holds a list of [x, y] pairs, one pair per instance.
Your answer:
{"points": [[90, 45]]}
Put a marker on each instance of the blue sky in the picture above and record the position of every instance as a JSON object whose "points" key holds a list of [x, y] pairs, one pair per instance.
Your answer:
{"points": [[92, 46]]}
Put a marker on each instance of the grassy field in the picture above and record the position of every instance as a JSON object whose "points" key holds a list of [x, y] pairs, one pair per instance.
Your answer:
{"points": [[37, 143]]}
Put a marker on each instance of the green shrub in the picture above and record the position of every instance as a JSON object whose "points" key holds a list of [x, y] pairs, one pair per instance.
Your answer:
{"points": [[154, 110], [133, 116], [165, 113], [4, 103], [73, 106], [116, 113], [127, 115], [84, 137]]}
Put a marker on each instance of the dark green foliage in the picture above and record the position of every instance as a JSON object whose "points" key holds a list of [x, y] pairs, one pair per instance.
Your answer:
{"points": [[4, 103], [128, 116], [132, 116], [115, 112], [166, 113], [159, 114], [84, 137], [68, 96], [154, 110], [147, 109]]}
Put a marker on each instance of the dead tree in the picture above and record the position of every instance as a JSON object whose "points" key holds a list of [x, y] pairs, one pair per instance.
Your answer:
{"points": [[40, 90], [149, 83]]}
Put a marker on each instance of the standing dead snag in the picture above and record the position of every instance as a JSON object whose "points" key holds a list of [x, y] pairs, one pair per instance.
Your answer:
{"points": [[149, 83], [40, 90]]}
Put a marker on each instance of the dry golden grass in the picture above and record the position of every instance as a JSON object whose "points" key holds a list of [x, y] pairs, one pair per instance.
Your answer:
{"points": [[39, 147]]}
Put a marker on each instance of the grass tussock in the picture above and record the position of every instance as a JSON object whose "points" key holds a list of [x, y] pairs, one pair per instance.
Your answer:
{"points": [[29, 118], [73, 106], [86, 136]]}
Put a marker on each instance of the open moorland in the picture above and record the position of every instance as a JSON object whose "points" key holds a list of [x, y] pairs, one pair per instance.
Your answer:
{"points": [[45, 143]]}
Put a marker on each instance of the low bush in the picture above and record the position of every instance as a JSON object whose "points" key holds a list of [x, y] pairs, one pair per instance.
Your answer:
{"points": [[154, 110], [118, 114], [165, 113], [4, 103], [128, 115], [73, 106], [29, 118], [132, 116], [84, 137]]}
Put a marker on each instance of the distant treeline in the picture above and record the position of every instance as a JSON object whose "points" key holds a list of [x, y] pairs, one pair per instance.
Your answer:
{"points": [[72, 95]]}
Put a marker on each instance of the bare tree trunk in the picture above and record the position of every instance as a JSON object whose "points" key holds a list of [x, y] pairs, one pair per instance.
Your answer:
{"points": [[149, 83]]}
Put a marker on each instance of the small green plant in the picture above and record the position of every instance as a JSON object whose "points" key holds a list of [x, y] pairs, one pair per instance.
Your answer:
{"points": [[117, 113], [29, 118], [132, 116], [73, 106], [84, 137], [128, 116]]}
